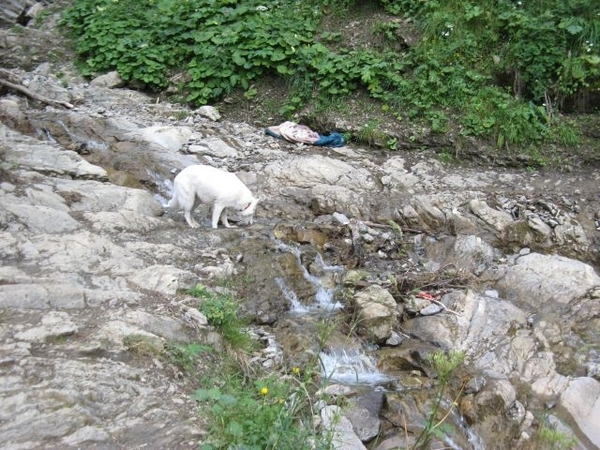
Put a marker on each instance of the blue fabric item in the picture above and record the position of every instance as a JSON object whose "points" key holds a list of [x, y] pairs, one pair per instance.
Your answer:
{"points": [[271, 133], [333, 140]]}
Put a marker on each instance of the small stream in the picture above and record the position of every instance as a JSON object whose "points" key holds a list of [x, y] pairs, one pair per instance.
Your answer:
{"points": [[355, 367]]}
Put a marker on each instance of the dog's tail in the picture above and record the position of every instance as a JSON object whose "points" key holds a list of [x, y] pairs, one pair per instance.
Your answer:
{"points": [[174, 202]]}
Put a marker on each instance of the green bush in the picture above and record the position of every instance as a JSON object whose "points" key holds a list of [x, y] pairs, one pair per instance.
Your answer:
{"points": [[261, 414], [222, 312], [526, 56]]}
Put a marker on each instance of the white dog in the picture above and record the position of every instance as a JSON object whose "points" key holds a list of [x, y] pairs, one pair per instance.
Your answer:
{"points": [[206, 184]]}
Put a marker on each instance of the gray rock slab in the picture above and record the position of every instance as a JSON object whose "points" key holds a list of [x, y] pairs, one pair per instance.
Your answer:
{"points": [[582, 399]]}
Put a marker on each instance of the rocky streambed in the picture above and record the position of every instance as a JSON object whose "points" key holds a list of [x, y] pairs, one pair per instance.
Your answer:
{"points": [[415, 256]]}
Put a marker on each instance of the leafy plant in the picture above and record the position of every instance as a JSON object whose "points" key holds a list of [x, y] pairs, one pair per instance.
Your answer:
{"points": [[221, 311], [551, 438], [445, 157], [444, 364], [186, 356], [370, 134], [262, 414], [504, 69]]}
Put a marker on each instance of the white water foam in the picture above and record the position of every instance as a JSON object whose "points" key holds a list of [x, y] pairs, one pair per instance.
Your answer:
{"points": [[323, 296], [296, 306], [351, 367]]}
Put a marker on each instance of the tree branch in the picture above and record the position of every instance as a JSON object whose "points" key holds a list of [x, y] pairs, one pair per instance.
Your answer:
{"points": [[23, 90]]}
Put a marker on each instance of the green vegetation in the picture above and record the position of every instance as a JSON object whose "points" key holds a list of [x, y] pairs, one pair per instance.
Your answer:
{"points": [[500, 70], [548, 437], [246, 407], [186, 356], [445, 364], [261, 414], [221, 311]]}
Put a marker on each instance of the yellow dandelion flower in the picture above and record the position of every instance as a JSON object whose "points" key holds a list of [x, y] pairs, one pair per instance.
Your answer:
{"points": [[296, 370], [264, 390]]}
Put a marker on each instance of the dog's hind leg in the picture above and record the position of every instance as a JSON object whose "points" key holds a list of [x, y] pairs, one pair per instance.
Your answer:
{"points": [[189, 211]]}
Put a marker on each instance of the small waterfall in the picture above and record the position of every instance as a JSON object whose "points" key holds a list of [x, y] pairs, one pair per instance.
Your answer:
{"points": [[90, 144], [323, 296], [339, 366], [459, 421], [297, 307], [351, 367], [164, 186]]}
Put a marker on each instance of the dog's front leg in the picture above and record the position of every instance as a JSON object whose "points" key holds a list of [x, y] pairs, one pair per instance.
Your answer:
{"points": [[224, 220], [216, 214], [219, 212]]}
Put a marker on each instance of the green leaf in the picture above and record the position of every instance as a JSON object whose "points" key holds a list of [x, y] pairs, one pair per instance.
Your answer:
{"points": [[203, 395], [235, 429], [237, 59], [228, 400], [278, 56]]}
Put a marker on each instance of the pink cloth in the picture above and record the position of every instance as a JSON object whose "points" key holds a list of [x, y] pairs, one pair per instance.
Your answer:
{"points": [[293, 132]]}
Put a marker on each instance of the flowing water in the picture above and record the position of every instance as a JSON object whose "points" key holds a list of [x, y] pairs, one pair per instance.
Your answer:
{"points": [[323, 300], [351, 366], [346, 366]]}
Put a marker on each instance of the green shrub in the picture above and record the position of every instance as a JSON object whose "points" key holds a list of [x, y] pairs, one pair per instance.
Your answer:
{"points": [[503, 68], [222, 312], [261, 414], [186, 356], [445, 365]]}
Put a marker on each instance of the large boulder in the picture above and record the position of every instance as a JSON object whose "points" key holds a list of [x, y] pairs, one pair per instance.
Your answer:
{"points": [[377, 313], [546, 282]]}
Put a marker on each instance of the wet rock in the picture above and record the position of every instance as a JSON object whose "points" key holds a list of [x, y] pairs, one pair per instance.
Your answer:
{"points": [[364, 414], [394, 340], [169, 137], [49, 159], [365, 425], [343, 436], [377, 313]]}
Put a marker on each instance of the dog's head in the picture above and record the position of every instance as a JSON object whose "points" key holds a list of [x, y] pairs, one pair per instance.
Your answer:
{"points": [[247, 214]]}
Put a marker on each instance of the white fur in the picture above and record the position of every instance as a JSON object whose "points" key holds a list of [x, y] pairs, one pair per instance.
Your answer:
{"points": [[206, 184]]}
